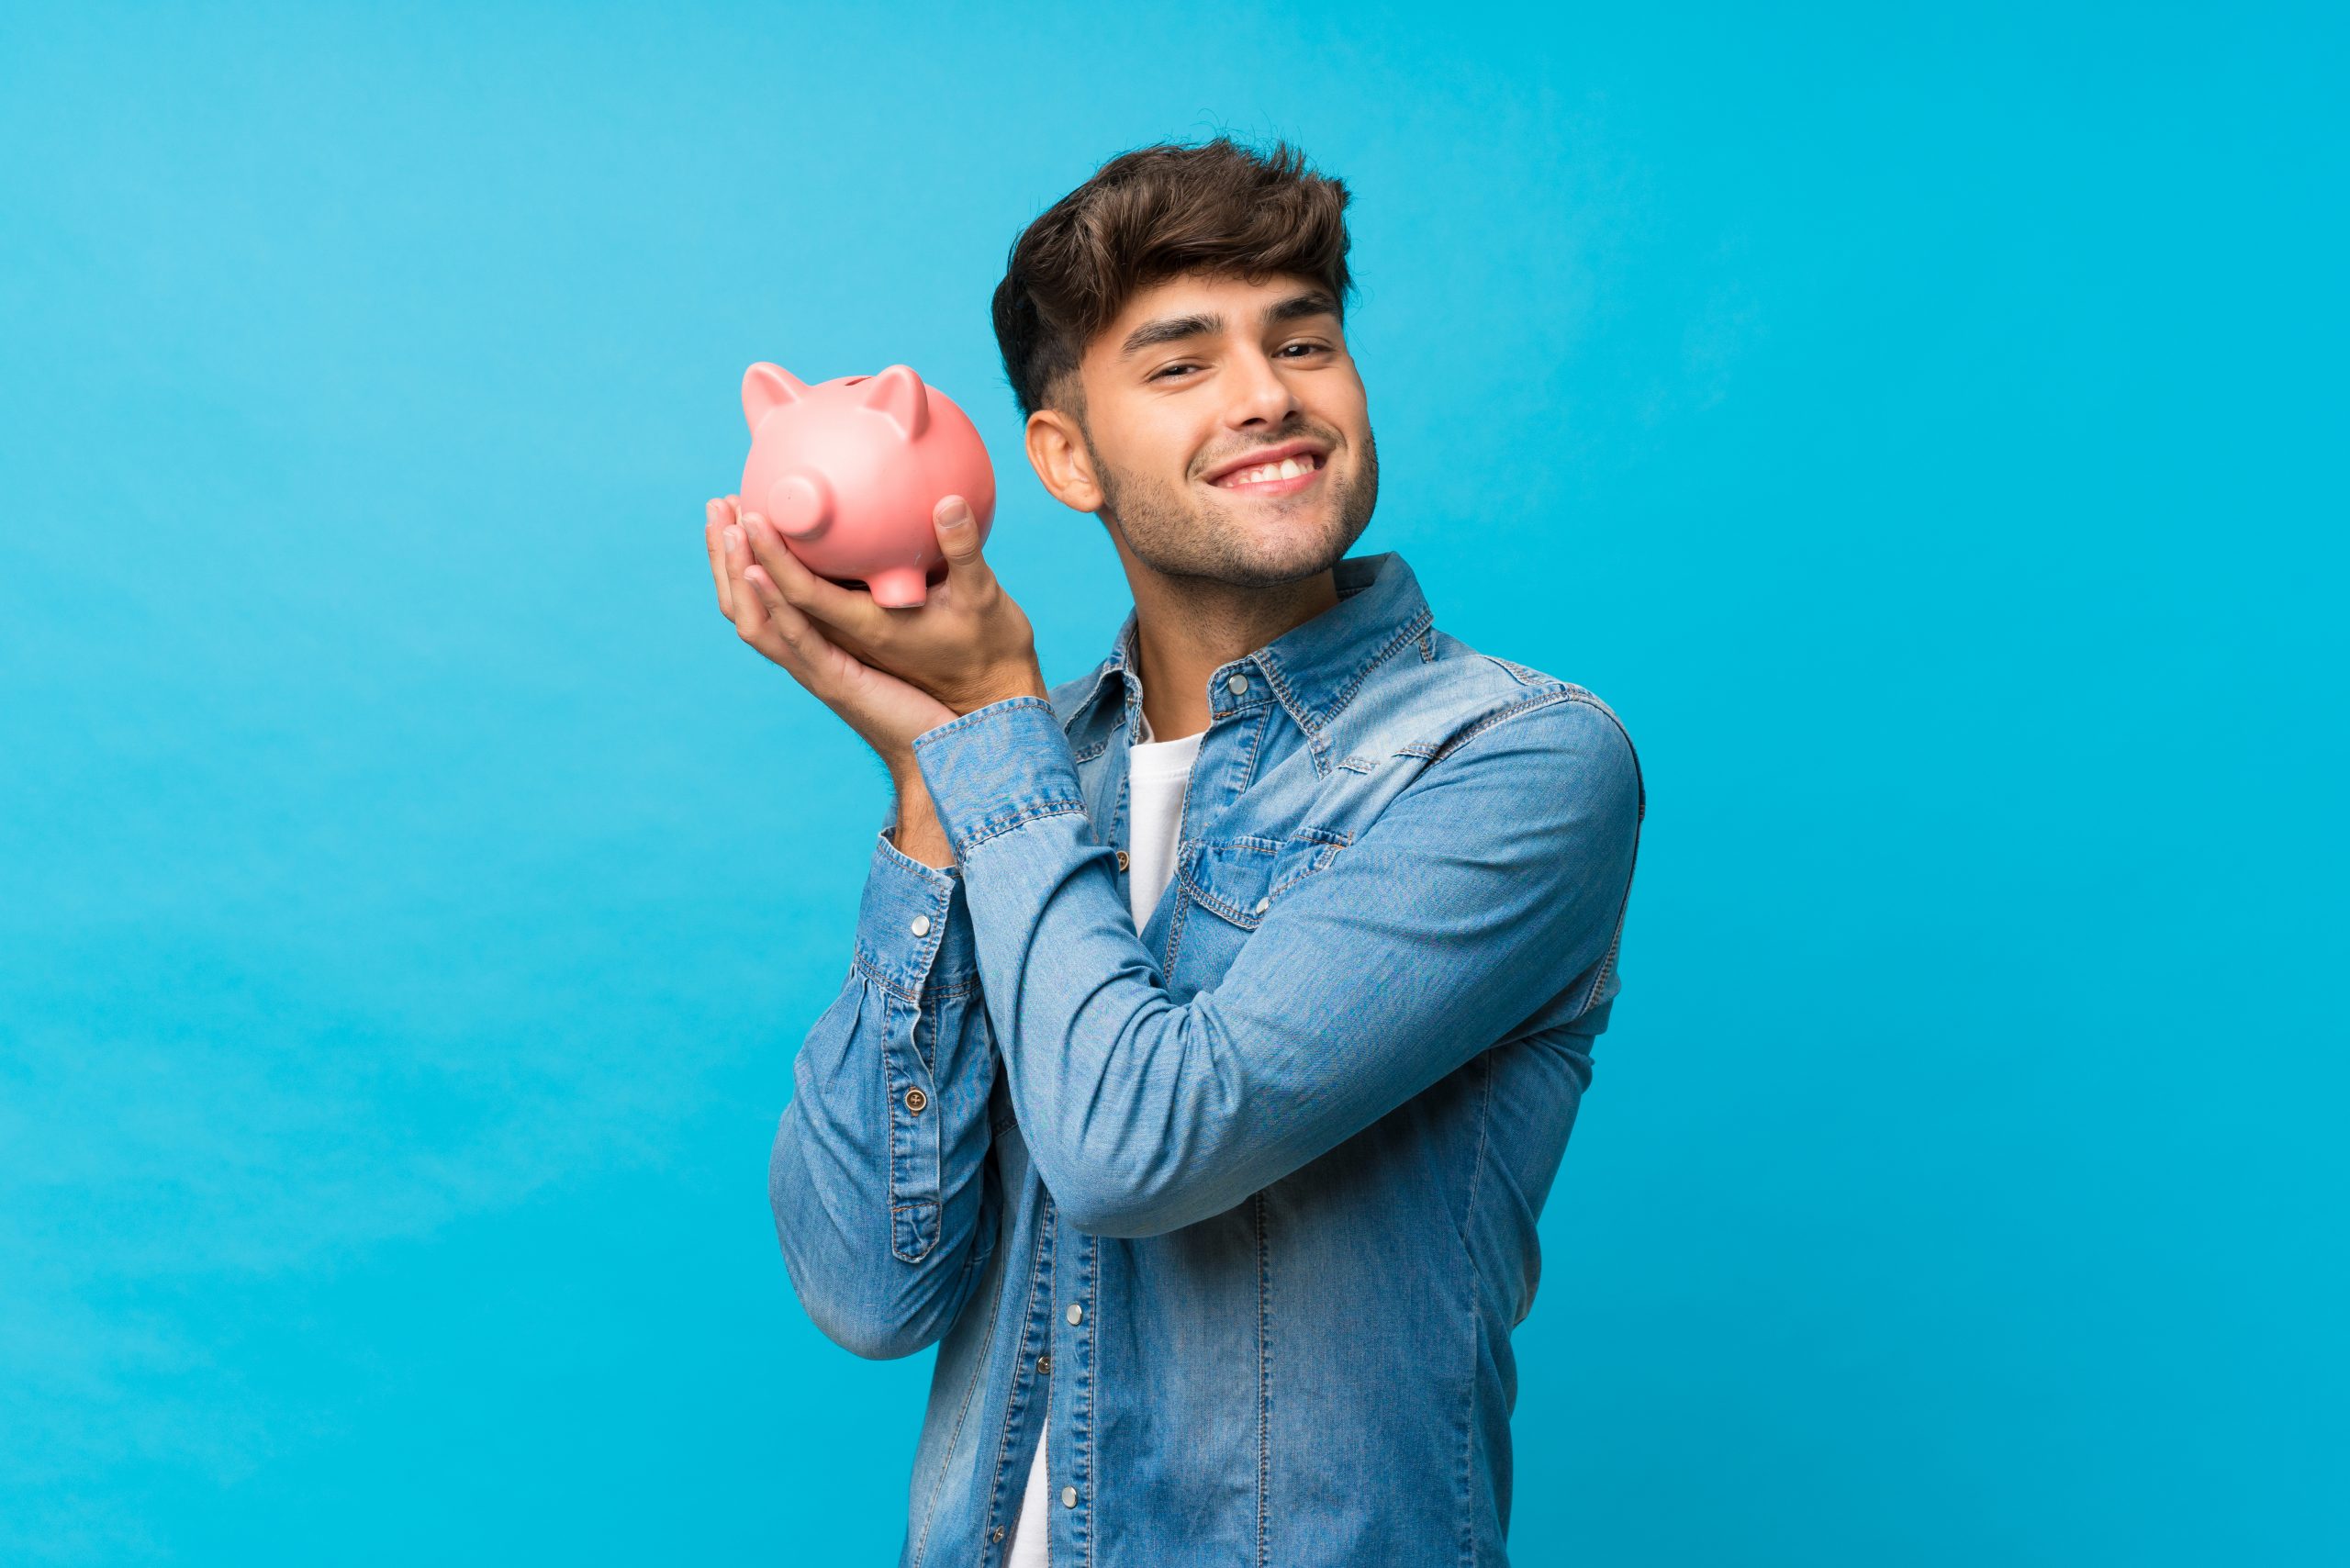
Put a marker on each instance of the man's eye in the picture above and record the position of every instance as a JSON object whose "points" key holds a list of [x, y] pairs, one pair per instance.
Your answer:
{"points": [[1165, 371]]}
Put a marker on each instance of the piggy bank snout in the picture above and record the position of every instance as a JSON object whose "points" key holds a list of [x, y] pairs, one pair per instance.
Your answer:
{"points": [[800, 504]]}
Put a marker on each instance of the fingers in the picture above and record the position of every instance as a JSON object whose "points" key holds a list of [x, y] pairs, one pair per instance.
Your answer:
{"points": [[792, 640], [713, 532], [742, 606], [761, 614], [829, 602], [959, 540]]}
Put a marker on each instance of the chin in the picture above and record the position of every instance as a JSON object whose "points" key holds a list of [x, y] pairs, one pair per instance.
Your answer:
{"points": [[1270, 552]]}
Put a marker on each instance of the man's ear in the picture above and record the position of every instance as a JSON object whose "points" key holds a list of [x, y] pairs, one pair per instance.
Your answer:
{"points": [[1057, 451]]}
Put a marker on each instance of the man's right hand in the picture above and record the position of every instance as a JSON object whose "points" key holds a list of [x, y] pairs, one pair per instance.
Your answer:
{"points": [[887, 712]]}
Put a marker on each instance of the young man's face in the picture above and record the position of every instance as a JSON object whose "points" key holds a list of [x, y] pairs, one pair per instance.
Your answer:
{"points": [[1198, 384]]}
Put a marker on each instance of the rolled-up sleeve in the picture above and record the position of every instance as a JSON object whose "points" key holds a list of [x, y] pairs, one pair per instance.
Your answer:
{"points": [[1494, 882], [880, 1180]]}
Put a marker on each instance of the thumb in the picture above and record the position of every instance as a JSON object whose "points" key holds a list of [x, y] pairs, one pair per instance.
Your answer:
{"points": [[958, 538]]}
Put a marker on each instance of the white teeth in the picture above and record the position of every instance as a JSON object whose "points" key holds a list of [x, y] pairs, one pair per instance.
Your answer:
{"points": [[1287, 468]]}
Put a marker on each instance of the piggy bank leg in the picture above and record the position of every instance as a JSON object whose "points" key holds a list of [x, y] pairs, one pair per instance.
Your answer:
{"points": [[899, 588]]}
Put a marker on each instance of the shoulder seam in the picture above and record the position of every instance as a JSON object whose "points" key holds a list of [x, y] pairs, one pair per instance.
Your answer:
{"points": [[1454, 742]]}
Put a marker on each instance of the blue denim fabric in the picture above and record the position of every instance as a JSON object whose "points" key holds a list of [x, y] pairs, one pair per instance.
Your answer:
{"points": [[1246, 1200]]}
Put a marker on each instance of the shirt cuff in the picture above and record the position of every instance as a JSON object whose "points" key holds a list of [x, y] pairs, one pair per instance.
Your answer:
{"points": [[914, 927], [996, 767]]}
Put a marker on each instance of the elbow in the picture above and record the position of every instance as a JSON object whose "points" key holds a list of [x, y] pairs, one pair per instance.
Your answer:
{"points": [[877, 1339], [875, 1315], [860, 1295], [1114, 1220]]}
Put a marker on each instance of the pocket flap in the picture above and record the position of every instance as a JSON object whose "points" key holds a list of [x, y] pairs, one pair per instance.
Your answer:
{"points": [[1237, 878]]}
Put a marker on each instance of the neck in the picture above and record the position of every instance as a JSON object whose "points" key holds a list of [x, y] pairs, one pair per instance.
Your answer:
{"points": [[1188, 628]]}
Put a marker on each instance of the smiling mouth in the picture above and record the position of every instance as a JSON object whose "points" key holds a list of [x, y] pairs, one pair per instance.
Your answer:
{"points": [[1284, 478]]}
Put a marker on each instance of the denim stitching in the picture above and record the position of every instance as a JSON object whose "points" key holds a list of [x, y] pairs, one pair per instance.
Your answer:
{"points": [[1409, 631], [929, 1058], [1414, 628], [996, 827], [1255, 748], [1469, 1387], [1524, 675], [1085, 1387], [1321, 861], [889, 1075], [1197, 884], [1460, 738], [1299, 714], [1038, 1269], [1640, 780], [1616, 941], [1101, 673], [889, 1102], [1175, 927], [1624, 903], [954, 1435], [1264, 1378], [868, 964], [967, 719]]}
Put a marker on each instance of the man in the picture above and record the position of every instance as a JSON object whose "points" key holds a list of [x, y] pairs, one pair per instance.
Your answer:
{"points": [[1216, 1020]]}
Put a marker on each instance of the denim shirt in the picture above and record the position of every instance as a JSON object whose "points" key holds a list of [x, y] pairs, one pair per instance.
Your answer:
{"points": [[1246, 1200]]}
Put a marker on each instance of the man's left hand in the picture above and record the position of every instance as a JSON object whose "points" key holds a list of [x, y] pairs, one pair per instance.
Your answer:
{"points": [[968, 644]]}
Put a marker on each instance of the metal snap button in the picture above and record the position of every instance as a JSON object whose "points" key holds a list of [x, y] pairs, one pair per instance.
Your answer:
{"points": [[1045, 1364], [921, 926], [916, 1100], [1121, 859]]}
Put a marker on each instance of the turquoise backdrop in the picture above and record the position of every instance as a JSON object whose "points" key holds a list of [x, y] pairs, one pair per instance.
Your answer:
{"points": [[1924, 424]]}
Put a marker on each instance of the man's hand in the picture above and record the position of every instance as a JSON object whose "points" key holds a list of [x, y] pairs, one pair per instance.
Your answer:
{"points": [[890, 674], [884, 709]]}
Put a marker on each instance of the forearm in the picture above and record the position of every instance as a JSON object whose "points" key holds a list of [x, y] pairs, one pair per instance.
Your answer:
{"points": [[918, 834], [1093, 1043], [1370, 969]]}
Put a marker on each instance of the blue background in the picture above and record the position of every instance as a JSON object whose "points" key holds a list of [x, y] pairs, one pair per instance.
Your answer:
{"points": [[1923, 424]]}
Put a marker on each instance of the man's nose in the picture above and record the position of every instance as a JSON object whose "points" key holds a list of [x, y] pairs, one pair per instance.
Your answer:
{"points": [[1259, 392]]}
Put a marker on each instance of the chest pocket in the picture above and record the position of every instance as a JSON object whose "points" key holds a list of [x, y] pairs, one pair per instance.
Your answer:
{"points": [[1229, 887]]}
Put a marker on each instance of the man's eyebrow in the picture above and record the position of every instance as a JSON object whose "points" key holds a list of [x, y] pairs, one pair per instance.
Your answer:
{"points": [[1168, 330], [1314, 303], [1174, 329]]}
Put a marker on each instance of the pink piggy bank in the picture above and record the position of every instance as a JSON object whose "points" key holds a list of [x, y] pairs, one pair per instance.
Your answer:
{"points": [[849, 470]]}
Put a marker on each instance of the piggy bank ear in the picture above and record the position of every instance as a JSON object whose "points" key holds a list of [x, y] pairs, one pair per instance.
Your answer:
{"points": [[767, 387], [898, 393]]}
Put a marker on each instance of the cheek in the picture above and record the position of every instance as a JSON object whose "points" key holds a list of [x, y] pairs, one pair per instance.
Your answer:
{"points": [[1351, 415], [1151, 454]]}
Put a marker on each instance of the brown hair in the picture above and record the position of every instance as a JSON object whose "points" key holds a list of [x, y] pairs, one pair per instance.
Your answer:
{"points": [[1150, 215]]}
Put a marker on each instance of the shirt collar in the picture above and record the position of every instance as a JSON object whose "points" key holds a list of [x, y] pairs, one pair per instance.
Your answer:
{"points": [[1314, 667]]}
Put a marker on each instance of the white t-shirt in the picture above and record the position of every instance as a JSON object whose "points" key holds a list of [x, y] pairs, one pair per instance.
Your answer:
{"points": [[1158, 773]]}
